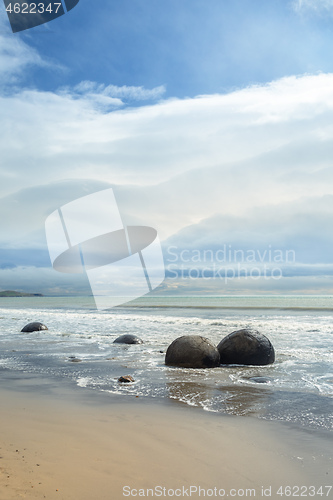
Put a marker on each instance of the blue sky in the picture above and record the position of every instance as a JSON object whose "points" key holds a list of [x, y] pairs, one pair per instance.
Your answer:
{"points": [[191, 46], [212, 121]]}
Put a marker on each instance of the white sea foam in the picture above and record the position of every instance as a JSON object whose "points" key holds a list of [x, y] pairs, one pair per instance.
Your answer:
{"points": [[303, 343]]}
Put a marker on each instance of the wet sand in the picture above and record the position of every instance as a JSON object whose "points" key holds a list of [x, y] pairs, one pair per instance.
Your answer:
{"points": [[69, 443]]}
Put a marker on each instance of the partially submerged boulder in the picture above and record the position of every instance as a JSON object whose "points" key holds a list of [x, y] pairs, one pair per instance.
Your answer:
{"points": [[34, 327], [246, 347], [192, 351], [74, 359], [127, 379], [260, 380], [128, 339]]}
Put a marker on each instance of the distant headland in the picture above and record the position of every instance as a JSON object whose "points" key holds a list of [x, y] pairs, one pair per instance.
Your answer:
{"points": [[12, 293]]}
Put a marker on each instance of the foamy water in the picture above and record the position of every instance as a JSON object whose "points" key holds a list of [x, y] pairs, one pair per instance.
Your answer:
{"points": [[298, 387]]}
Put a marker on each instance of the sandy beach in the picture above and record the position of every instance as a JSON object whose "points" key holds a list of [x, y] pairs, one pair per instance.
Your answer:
{"points": [[61, 442]]}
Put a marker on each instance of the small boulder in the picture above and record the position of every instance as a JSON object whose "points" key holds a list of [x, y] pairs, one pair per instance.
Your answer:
{"points": [[126, 379], [260, 380], [74, 359], [246, 347], [34, 327], [128, 339], [192, 351]]}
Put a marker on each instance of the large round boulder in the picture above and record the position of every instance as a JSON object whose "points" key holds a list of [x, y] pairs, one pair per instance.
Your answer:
{"points": [[34, 327], [246, 347], [192, 351], [128, 339]]}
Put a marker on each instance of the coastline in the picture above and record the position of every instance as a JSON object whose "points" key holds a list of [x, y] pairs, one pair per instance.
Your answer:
{"points": [[64, 442], [225, 303]]}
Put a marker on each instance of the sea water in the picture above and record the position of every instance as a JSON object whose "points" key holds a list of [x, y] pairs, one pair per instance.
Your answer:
{"points": [[78, 346]]}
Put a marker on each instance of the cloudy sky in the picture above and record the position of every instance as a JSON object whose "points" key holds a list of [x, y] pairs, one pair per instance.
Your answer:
{"points": [[211, 119]]}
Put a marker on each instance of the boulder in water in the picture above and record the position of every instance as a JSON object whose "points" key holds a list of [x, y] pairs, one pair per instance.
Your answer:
{"points": [[192, 351], [34, 327], [127, 379], [74, 359], [246, 347], [128, 339]]}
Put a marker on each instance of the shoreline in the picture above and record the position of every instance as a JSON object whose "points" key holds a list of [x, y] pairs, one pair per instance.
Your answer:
{"points": [[65, 442], [265, 303]]}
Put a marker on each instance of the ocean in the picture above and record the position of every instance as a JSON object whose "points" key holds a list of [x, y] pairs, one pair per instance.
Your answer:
{"points": [[78, 347]]}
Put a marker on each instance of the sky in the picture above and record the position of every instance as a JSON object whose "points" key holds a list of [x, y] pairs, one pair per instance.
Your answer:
{"points": [[211, 120]]}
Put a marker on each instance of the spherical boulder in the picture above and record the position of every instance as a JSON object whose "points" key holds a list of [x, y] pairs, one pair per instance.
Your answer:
{"points": [[128, 339], [127, 379], [192, 351], [34, 327], [246, 347]]}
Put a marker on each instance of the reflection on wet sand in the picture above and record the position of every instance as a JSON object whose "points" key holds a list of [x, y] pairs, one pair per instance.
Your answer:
{"points": [[231, 399]]}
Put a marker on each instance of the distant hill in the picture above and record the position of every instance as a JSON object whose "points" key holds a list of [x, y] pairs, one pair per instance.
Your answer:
{"points": [[12, 293]]}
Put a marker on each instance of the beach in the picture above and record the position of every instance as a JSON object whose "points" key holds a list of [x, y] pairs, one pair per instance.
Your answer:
{"points": [[60, 442], [166, 270], [70, 430]]}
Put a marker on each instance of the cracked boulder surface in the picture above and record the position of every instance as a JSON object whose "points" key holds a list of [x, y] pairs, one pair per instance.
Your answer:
{"points": [[246, 347], [192, 351]]}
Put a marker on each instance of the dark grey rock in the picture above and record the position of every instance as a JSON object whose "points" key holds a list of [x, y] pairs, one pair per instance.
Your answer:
{"points": [[128, 339], [246, 347], [192, 351], [127, 379], [74, 359], [260, 380], [34, 327]]}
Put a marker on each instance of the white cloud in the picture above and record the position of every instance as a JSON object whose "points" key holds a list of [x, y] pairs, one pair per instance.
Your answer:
{"points": [[295, 233], [46, 137], [14, 58], [123, 92], [106, 98], [260, 157], [15, 54], [316, 5], [174, 163], [27, 209]]}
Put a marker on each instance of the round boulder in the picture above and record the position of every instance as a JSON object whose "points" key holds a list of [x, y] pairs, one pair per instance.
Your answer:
{"points": [[127, 379], [246, 347], [128, 339], [34, 327], [192, 351]]}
